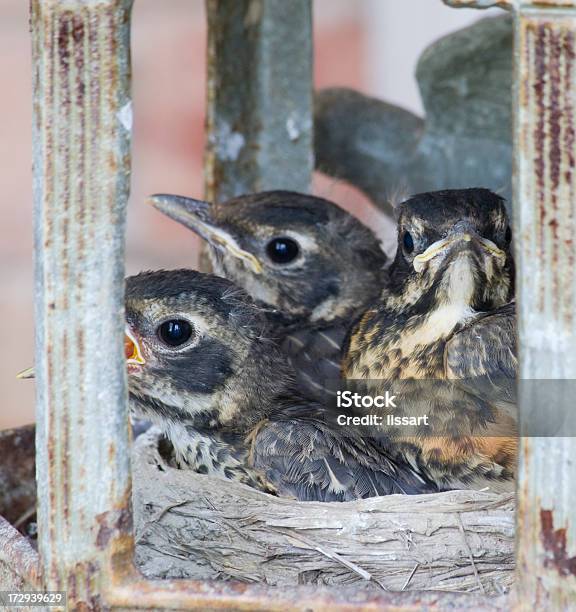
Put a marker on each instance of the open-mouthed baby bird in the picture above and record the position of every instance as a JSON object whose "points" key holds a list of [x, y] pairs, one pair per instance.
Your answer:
{"points": [[201, 367], [443, 335], [314, 267]]}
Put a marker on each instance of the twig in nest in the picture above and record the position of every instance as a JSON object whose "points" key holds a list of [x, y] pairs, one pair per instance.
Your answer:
{"points": [[470, 556], [159, 517], [331, 554], [410, 577], [24, 517]]}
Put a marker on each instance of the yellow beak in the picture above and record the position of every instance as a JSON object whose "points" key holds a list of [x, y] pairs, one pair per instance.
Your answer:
{"points": [[442, 245], [197, 215], [132, 349]]}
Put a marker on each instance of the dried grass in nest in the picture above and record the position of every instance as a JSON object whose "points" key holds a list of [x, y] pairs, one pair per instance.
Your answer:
{"points": [[188, 525]]}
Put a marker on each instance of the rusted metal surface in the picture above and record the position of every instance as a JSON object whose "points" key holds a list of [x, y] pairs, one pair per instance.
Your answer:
{"points": [[510, 4], [465, 138], [259, 122], [545, 227], [213, 595], [481, 4], [81, 131]]}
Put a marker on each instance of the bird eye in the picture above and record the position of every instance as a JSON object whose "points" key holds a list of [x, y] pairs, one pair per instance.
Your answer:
{"points": [[508, 235], [408, 242], [175, 332], [282, 250]]}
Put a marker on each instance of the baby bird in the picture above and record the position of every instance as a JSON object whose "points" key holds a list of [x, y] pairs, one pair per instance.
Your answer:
{"points": [[444, 336], [201, 367], [312, 265]]}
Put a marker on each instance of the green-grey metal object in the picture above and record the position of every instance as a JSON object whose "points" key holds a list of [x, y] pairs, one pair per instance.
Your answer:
{"points": [[465, 139], [259, 122]]}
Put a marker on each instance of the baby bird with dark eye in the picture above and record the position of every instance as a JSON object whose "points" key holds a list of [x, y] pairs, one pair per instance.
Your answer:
{"points": [[312, 265], [201, 367], [444, 336]]}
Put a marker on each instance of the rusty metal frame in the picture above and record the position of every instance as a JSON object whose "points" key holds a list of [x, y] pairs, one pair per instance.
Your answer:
{"points": [[82, 129]]}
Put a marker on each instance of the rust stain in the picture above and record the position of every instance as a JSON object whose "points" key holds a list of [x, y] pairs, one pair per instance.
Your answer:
{"points": [[82, 588], [569, 142], [539, 45], [560, 3], [554, 542], [549, 57], [555, 134], [112, 525], [65, 462], [569, 135], [63, 32], [555, 114], [79, 36]]}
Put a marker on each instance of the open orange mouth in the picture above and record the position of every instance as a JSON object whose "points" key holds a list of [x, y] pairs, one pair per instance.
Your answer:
{"points": [[132, 349]]}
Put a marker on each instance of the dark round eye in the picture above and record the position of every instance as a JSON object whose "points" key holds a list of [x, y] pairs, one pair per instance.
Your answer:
{"points": [[282, 250], [508, 235], [175, 332], [408, 242]]}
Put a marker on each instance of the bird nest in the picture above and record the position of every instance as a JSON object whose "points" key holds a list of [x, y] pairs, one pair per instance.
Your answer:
{"points": [[189, 525]]}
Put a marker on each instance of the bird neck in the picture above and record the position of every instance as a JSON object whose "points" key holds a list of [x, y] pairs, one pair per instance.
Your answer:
{"points": [[251, 393], [405, 334]]}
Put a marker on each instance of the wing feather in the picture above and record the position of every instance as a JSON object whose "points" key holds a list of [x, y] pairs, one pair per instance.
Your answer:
{"points": [[307, 459], [484, 357]]}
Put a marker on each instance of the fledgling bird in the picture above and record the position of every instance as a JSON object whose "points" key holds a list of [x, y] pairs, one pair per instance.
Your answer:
{"points": [[201, 367], [312, 265], [444, 336]]}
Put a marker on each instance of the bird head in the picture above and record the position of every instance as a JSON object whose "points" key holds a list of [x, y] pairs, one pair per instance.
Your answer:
{"points": [[299, 254], [454, 246], [197, 351]]}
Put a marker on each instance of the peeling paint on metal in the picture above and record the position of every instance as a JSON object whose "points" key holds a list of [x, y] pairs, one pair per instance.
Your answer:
{"points": [[125, 116], [554, 543], [259, 76], [227, 143], [297, 125]]}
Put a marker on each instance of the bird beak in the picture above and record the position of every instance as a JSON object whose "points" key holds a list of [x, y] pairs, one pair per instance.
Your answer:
{"points": [[132, 349], [444, 245], [197, 216], [26, 374]]}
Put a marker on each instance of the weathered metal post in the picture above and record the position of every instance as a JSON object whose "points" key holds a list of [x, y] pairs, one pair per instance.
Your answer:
{"points": [[259, 121], [82, 131], [545, 229], [545, 218]]}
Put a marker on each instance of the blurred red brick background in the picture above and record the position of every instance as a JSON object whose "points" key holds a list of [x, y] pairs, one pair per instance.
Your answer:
{"points": [[169, 40]]}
